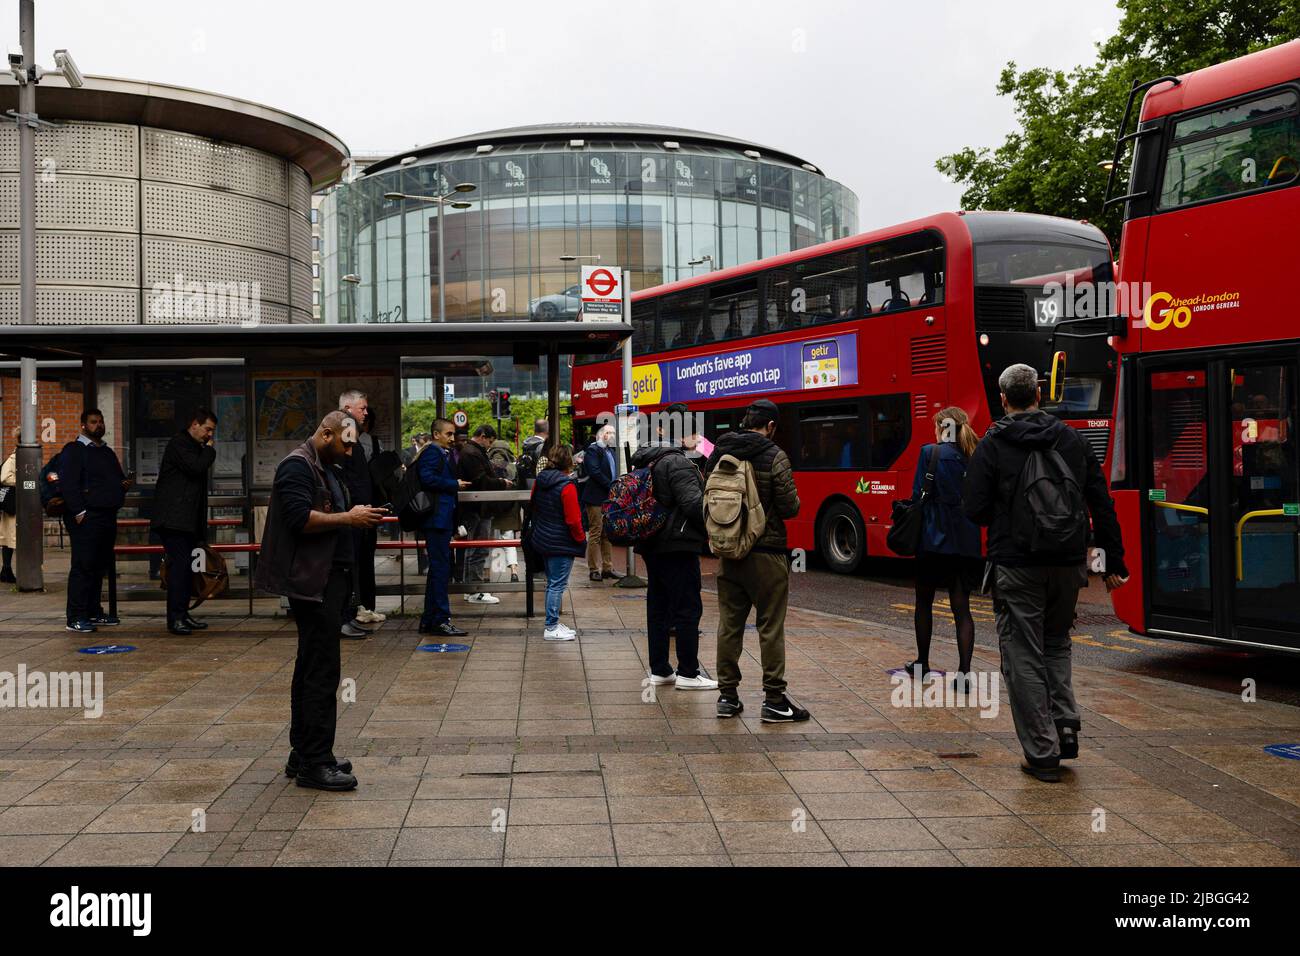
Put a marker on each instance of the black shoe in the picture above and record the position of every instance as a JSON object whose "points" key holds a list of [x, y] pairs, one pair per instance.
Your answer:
{"points": [[612, 576], [353, 632], [782, 712], [7, 577], [194, 625], [594, 575], [449, 630], [294, 764], [514, 577], [1069, 738], [80, 626], [179, 628], [729, 707], [325, 778], [105, 620], [1045, 774], [924, 671]]}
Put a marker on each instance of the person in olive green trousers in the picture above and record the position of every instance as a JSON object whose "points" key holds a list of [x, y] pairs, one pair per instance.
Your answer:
{"points": [[761, 579]]}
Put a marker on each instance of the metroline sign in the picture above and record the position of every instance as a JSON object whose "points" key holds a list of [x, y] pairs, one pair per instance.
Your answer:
{"points": [[602, 294]]}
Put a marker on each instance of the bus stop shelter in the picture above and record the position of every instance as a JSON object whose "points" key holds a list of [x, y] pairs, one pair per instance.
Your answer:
{"points": [[273, 357]]}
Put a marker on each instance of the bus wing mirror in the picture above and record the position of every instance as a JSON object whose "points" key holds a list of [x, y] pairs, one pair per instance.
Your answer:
{"points": [[1056, 383]]}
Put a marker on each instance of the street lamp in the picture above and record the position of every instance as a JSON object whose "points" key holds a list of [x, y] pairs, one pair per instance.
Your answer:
{"points": [[700, 261], [446, 199], [27, 74], [353, 280]]}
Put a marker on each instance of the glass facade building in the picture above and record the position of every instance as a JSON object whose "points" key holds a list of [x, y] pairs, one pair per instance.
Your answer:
{"points": [[662, 203]]}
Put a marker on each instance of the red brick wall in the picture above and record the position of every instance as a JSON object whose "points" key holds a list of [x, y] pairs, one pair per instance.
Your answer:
{"points": [[64, 406]]}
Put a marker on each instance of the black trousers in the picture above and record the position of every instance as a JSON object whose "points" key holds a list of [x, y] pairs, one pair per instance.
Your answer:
{"points": [[673, 600], [313, 712], [366, 543], [180, 555], [92, 555]]}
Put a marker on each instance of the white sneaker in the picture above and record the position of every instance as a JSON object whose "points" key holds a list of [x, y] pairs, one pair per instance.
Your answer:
{"points": [[558, 633], [699, 682], [366, 616], [660, 681], [564, 628], [482, 597]]}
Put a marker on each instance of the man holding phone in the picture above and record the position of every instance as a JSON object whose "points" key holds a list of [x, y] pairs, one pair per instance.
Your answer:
{"points": [[180, 511]]}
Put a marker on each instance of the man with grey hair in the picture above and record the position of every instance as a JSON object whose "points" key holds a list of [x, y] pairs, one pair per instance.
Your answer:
{"points": [[1033, 481], [356, 475]]}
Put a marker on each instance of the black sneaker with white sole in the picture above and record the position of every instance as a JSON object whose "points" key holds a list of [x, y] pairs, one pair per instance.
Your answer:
{"points": [[782, 712], [729, 706]]}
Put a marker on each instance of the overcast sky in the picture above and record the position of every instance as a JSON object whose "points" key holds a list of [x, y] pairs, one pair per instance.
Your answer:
{"points": [[871, 92]]}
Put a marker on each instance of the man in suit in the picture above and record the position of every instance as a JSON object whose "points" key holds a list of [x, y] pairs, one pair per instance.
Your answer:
{"points": [[94, 489], [180, 511], [600, 466], [438, 478]]}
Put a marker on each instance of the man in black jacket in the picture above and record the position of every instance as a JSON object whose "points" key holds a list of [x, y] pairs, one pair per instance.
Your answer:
{"points": [[307, 557], [761, 579], [473, 466], [601, 468], [94, 489], [180, 511], [365, 541], [672, 563], [1035, 592]]}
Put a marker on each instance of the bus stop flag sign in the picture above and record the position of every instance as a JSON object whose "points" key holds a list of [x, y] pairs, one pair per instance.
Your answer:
{"points": [[602, 294]]}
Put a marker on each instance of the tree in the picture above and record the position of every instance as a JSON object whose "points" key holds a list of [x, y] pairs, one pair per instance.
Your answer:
{"points": [[417, 416], [1067, 121]]}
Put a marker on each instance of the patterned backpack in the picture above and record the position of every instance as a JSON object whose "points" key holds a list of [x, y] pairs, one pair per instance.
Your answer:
{"points": [[631, 515]]}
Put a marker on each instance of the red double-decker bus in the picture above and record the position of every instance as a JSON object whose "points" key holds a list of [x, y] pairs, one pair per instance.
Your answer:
{"points": [[1205, 452], [860, 341]]}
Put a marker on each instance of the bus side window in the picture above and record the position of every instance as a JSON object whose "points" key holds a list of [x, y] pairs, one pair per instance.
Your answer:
{"points": [[643, 328], [680, 316], [733, 310], [905, 273], [829, 286]]}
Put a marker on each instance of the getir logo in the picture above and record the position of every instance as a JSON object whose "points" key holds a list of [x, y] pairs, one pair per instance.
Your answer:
{"points": [[647, 385]]}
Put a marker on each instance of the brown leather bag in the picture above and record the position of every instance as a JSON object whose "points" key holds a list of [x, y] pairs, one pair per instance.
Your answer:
{"points": [[208, 583]]}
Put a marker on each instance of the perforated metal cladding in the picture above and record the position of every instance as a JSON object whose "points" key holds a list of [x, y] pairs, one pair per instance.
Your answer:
{"points": [[164, 259], [79, 305], [299, 189], [74, 203], [301, 279], [218, 217], [76, 258], [195, 161], [299, 237], [87, 148]]}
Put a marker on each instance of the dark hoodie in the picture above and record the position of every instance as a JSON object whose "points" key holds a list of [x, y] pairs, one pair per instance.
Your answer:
{"points": [[772, 474], [995, 467], [679, 488]]}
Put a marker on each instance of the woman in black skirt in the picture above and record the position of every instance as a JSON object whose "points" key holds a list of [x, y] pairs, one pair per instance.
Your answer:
{"points": [[950, 543]]}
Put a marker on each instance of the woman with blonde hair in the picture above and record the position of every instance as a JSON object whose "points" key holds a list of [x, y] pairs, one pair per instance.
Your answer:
{"points": [[949, 556], [8, 516]]}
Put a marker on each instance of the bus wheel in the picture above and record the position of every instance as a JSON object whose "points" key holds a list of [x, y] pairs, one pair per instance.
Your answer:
{"points": [[841, 537]]}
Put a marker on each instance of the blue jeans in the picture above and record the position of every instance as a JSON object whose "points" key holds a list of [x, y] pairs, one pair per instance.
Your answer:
{"points": [[437, 606], [557, 579]]}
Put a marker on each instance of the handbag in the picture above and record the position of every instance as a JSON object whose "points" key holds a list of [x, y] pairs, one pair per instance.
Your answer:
{"points": [[909, 514], [208, 583], [8, 499]]}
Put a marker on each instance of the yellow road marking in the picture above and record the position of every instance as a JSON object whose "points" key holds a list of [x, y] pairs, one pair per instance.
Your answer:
{"points": [[1087, 639]]}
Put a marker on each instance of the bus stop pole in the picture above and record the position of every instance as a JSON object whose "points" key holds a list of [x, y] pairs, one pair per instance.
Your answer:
{"points": [[630, 579]]}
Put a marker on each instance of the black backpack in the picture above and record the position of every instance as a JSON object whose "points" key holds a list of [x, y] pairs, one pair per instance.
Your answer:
{"points": [[411, 503], [51, 494], [525, 470], [1048, 514], [385, 475]]}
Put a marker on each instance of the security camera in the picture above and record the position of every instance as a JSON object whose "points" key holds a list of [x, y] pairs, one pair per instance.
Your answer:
{"points": [[15, 59], [63, 59]]}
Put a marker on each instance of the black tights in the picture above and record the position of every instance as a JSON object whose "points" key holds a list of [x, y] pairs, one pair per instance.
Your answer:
{"points": [[8, 558], [959, 599]]}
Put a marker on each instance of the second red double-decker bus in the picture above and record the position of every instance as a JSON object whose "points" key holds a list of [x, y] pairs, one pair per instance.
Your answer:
{"points": [[859, 342], [1205, 468]]}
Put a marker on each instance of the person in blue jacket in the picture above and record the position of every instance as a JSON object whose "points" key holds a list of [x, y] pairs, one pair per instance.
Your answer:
{"points": [[949, 557], [438, 477]]}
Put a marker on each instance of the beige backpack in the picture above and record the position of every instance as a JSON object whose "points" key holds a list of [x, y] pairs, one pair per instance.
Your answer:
{"points": [[733, 512]]}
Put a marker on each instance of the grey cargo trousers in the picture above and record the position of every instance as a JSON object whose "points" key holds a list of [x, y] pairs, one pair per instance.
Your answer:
{"points": [[1035, 611]]}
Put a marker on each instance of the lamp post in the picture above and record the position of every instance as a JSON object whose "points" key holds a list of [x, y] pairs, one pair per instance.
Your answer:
{"points": [[448, 199], [700, 261], [353, 280], [30, 525]]}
